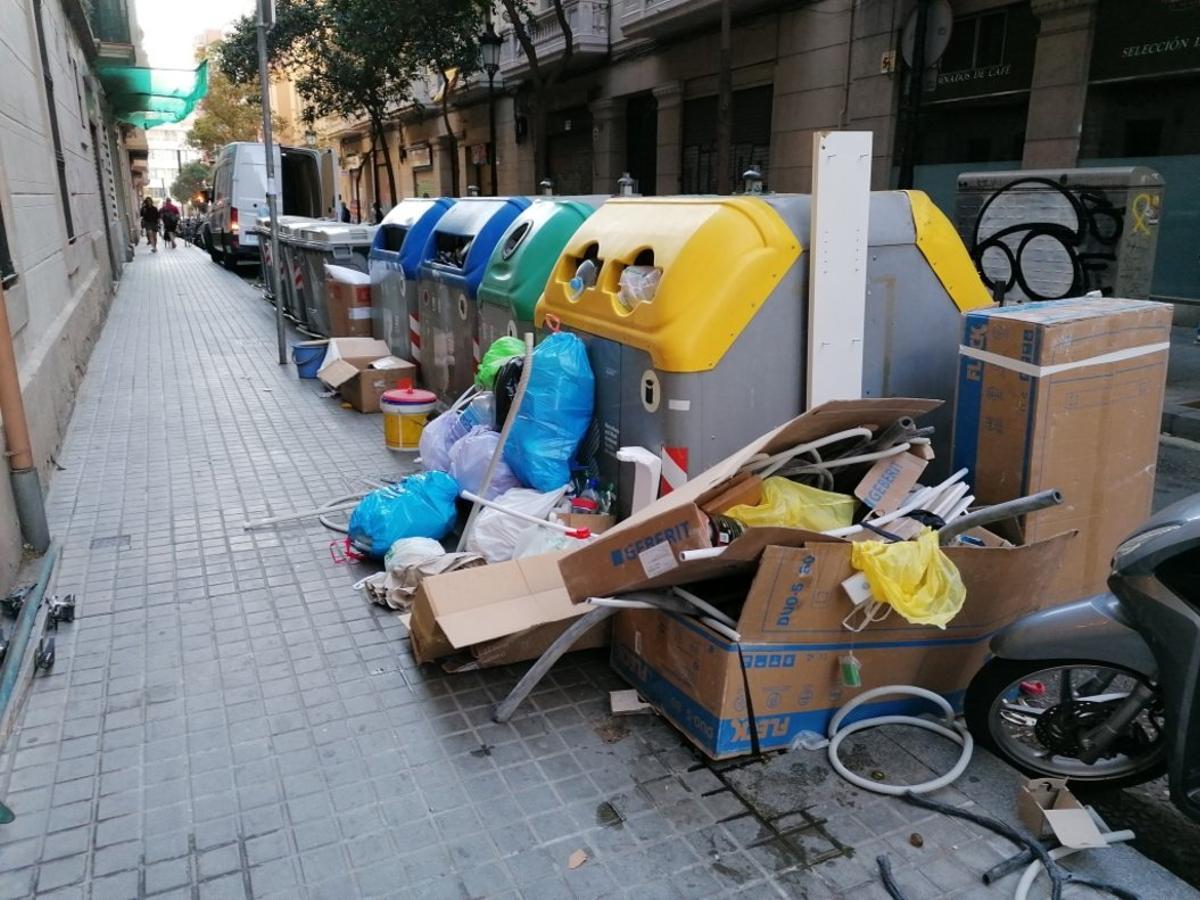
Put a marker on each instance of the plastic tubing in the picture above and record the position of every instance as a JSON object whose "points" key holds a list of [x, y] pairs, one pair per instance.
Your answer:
{"points": [[957, 734], [525, 517], [861, 458], [772, 464], [919, 498], [1029, 876], [704, 606]]}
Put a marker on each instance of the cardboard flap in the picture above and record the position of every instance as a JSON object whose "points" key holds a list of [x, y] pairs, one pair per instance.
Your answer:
{"points": [[337, 373], [489, 602], [828, 418], [353, 348]]}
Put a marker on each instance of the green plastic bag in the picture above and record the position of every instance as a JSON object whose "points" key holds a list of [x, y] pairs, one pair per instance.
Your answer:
{"points": [[502, 350], [914, 577], [786, 504]]}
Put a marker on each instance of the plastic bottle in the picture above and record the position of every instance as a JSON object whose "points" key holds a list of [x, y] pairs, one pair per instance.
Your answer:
{"points": [[588, 500]]}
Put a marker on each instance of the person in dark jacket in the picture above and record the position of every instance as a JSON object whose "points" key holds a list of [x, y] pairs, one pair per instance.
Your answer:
{"points": [[150, 218], [169, 213]]}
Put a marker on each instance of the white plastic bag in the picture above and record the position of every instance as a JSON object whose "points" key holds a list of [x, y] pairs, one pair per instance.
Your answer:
{"points": [[639, 284], [495, 533], [535, 540], [437, 440], [469, 458]]}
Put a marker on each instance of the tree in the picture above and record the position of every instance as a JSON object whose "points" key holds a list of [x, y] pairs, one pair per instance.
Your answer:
{"points": [[542, 76], [359, 59], [229, 112], [444, 38], [192, 179]]}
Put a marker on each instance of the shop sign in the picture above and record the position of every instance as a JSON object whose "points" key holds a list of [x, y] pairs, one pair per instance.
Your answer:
{"points": [[419, 156], [1136, 38], [1011, 73]]}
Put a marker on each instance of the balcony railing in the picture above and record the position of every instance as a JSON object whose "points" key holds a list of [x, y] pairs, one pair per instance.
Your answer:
{"points": [[589, 27], [110, 21], [655, 18]]}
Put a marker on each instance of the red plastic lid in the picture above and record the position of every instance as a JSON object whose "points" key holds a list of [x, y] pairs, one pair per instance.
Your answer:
{"points": [[414, 396]]}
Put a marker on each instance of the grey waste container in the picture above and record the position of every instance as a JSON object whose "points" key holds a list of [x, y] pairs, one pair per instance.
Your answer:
{"points": [[334, 243]]}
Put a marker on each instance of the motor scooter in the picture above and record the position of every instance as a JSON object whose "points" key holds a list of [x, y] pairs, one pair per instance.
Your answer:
{"points": [[1106, 690]]}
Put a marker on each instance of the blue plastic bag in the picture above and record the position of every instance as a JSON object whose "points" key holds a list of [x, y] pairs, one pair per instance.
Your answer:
{"points": [[555, 413], [422, 505]]}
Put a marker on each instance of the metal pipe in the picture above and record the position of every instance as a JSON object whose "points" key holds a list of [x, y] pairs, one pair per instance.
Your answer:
{"points": [[266, 20], [514, 408], [1010, 509], [506, 707], [26, 485], [15, 657]]}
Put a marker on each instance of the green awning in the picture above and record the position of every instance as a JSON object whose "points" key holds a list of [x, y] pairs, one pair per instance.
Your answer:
{"points": [[149, 97]]}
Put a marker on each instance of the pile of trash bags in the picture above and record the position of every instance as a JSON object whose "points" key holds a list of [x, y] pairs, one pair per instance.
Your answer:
{"points": [[531, 476]]}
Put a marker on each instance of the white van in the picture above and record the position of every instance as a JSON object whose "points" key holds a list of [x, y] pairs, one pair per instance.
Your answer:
{"points": [[239, 195]]}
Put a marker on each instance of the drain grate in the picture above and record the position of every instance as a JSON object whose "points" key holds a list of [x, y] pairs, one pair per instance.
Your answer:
{"points": [[120, 541]]}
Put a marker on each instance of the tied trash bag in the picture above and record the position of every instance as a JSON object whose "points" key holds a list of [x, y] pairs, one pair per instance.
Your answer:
{"points": [[469, 459], [535, 540], [507, 380], [437, 439], [422, 505], [498, 354], [914, 577], [790, 505], [554, 414], [495, 533]]}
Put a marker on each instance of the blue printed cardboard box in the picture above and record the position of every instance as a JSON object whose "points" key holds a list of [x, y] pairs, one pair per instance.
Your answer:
{"points": [[783, 677]]}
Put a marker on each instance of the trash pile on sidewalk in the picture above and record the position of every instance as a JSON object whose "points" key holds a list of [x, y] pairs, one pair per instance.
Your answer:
{"points": [[642, 460]]}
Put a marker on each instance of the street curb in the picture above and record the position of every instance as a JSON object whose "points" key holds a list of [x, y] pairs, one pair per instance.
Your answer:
{"points": [[1181, 421]]}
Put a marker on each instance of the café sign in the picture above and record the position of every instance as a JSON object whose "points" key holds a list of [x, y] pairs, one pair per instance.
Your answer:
{"points": [[1136, 38]]}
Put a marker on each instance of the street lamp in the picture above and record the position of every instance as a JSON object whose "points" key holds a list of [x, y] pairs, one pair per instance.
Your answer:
{"points": [[489, 51]]}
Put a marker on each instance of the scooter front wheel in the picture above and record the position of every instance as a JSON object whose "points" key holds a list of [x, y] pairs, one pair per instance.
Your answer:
{"points": [[1033, 714]]}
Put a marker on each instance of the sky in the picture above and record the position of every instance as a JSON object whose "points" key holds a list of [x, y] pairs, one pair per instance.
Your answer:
{"points": [[170, 27]]}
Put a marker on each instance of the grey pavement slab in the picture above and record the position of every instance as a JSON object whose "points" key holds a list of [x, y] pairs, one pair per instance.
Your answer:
{"points": [[228, 718]]}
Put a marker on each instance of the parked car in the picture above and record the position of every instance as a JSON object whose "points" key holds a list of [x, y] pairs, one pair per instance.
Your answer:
{"points": [[307, 187]]}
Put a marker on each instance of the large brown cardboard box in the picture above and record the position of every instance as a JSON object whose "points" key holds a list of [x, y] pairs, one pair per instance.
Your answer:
{"points": [[783, 677], [349, 308], [502, 613], [362, 369], [1066, 395], [642, 552]]}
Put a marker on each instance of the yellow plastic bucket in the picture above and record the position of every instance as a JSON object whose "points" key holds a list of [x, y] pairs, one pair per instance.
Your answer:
{"points": [[405, 411]]}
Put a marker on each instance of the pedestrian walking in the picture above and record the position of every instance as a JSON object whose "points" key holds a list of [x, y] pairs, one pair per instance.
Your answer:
{"points": [[169, 213], [345, 213], [150, 219]]}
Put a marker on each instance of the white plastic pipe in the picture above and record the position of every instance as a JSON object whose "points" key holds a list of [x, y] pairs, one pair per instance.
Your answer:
{"points": [[772, 464], [1035, 868], [646, 473], [525, 517], [855, 460], [704, 606], [703, 553], [957, 733], [918, 500]]}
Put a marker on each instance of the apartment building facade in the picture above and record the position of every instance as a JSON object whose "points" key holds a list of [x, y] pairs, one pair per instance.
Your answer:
{"points": [[70, 178], [1031, 83]]}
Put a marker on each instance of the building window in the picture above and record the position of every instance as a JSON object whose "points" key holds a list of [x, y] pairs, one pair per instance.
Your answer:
{"points": [[8, 272], [751, 139], [60, 159], [976, 42]]}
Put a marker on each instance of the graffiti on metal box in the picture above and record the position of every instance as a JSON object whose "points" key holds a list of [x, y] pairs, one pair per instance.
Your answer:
{"points": [[1062, 245]]}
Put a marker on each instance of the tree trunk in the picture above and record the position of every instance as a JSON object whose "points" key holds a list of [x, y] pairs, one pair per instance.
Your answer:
{"points": [[387, 160], [537, 136], [725, 104], [374, 178], [451, 139]]}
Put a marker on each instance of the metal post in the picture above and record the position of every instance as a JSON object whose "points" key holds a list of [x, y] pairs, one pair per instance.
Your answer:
{"points": [[266, 19], [916, 87], [492, 131]]}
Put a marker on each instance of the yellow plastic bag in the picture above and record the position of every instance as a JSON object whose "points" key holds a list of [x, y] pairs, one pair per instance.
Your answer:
{"points": [[914, 577], [786, 504]]}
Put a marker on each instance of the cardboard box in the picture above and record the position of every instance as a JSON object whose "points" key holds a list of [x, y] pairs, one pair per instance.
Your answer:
{"points": [[502, 613], [783, 677], [1046, 807], [1066, 395], [349, 308], [643, 551], [361, 369], [596, 523]]}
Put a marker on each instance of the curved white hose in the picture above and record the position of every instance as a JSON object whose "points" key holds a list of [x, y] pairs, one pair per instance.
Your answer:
{"points": [[956, 733], [772, 464], [1035, 868], [852, 460], [919, 498]]}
